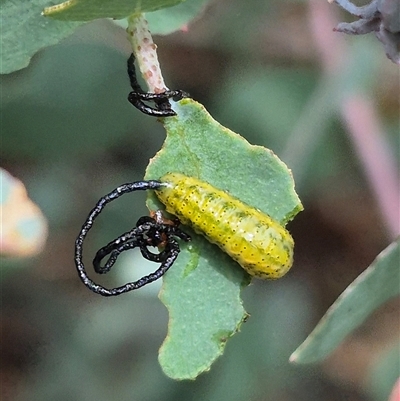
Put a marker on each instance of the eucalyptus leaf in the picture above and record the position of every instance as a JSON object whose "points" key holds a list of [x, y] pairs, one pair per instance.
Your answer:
{"points": [[87, 10], [376, 285], [25, 31], [202, 289]]}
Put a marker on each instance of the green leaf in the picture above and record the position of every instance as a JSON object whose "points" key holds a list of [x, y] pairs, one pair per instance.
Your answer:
{"points": [[25, 31], [202, 289], [86, 10], [371, 289]]}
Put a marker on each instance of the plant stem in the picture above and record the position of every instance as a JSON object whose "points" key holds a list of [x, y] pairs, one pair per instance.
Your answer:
{"points": [[145, 52]]}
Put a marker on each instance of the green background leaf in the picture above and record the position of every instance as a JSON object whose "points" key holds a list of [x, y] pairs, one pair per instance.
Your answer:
{"points": [[202, 290], [87, 10], [371, 289], [25, 30]]}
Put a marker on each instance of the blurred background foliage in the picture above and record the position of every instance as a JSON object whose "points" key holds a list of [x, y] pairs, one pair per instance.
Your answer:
{"points": [[70, 135]]}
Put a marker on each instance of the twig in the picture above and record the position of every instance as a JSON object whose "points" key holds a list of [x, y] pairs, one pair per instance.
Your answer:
{"points": [[145, 51]]}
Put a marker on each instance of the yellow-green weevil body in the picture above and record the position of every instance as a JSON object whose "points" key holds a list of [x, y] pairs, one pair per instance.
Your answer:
{"points": [[262, 246]]}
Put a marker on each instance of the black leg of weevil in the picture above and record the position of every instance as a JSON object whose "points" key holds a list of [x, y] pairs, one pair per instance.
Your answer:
{"points": [[176, 95], [138, 96], [114, 249], [88, 224], [146, 226], [163, 103], [162, 110], [132, 75], [158, 234], [166, 264], [177, 232], [164, 254]]}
